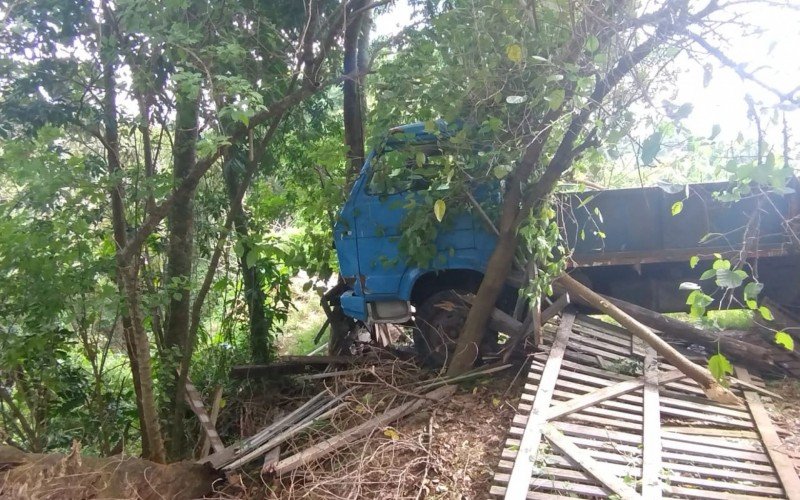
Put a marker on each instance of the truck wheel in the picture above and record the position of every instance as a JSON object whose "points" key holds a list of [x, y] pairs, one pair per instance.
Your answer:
{"points": [[438, 322]]}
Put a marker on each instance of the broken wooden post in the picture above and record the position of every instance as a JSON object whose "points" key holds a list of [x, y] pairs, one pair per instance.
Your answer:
{"points": [[713, 389]]}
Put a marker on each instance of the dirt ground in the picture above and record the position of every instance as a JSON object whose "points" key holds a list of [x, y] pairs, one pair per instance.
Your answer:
{"points": [[446, 452]]}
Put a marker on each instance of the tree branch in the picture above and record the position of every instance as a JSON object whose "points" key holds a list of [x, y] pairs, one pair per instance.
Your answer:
{"points": [[739, 69]]}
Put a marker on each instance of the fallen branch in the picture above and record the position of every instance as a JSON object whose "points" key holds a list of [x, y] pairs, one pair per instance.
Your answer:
{"points": [[334, 443], [713, 389], [749, 354]]}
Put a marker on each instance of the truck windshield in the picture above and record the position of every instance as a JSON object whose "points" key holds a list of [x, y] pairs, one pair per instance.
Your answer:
{"points": [[407, 167]]}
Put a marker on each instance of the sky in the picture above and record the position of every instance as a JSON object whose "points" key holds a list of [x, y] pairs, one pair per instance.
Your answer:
{"points": [[774, 55]]}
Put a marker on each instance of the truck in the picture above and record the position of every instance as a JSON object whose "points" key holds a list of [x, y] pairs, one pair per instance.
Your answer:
{"points": [[626, 243]]}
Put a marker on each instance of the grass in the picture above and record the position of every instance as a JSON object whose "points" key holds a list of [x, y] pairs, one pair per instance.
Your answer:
{"points": [[303, 322], [730, 319]]}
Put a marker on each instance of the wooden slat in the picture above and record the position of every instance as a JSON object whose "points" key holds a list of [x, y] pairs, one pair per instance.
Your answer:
{"points": [[606, 393], [651, 432], [782, 462], [542, 483], [732, 486], [663, 433], [710, 431], [521, 474], [589, 465], [712, 494], [675, 405], [195, 402]]}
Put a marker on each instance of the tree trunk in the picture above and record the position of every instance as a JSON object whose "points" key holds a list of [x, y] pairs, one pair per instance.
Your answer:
{"points": [[136, 342], [749, 354], [252, 277], [492, 285], [517, 207], [355, 47], [713, 389], [179, 269]]}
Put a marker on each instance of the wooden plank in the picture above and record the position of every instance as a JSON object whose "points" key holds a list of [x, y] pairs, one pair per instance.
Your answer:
{"points": [[216, 404], [733, 486], [651, 431], [711, 494], [523, 467], [623, 466], [782, 462], [710, 431], [718, 442], [622, 412], [673, 405], [606, 393], [195, 402], [588, 464], [591, 417], [542, 483], [555, 308]]}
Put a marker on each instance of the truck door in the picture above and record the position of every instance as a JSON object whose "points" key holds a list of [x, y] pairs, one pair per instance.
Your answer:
{"points": [[394, 178]]}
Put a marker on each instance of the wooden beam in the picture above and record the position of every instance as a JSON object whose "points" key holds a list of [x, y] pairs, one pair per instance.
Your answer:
{"points": [[520, 478], [555, 308], [195, 402], [651, 429], [606, 393], [589, 464], [783, 463]]}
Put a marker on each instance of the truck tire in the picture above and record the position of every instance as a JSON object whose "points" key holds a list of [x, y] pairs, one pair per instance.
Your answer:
{"points": [[438, 322]]}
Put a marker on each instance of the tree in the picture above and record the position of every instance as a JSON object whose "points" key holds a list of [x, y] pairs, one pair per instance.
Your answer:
{"points": [[550, 86], [210, 81]]}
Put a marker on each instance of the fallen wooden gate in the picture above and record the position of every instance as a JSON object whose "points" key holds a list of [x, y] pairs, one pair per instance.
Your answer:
{"points": [[602, 416]]}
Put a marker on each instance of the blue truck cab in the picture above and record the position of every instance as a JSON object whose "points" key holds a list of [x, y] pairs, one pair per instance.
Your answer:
{"points": [[382, 284], [636, 251]]}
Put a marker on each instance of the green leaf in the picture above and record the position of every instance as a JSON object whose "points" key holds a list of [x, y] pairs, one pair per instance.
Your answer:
{"points": [[238, 249], [710, 273], [693, 261], [721, 264], [715, 130], [556, 98], [729, 279], [439, 208], [784, 339], [252, 258], [766, 313], [514, 52], [719, 366], [592, 43], [683, 111], [677, 207], [752, 289], [500, 171], [650, 147]]}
